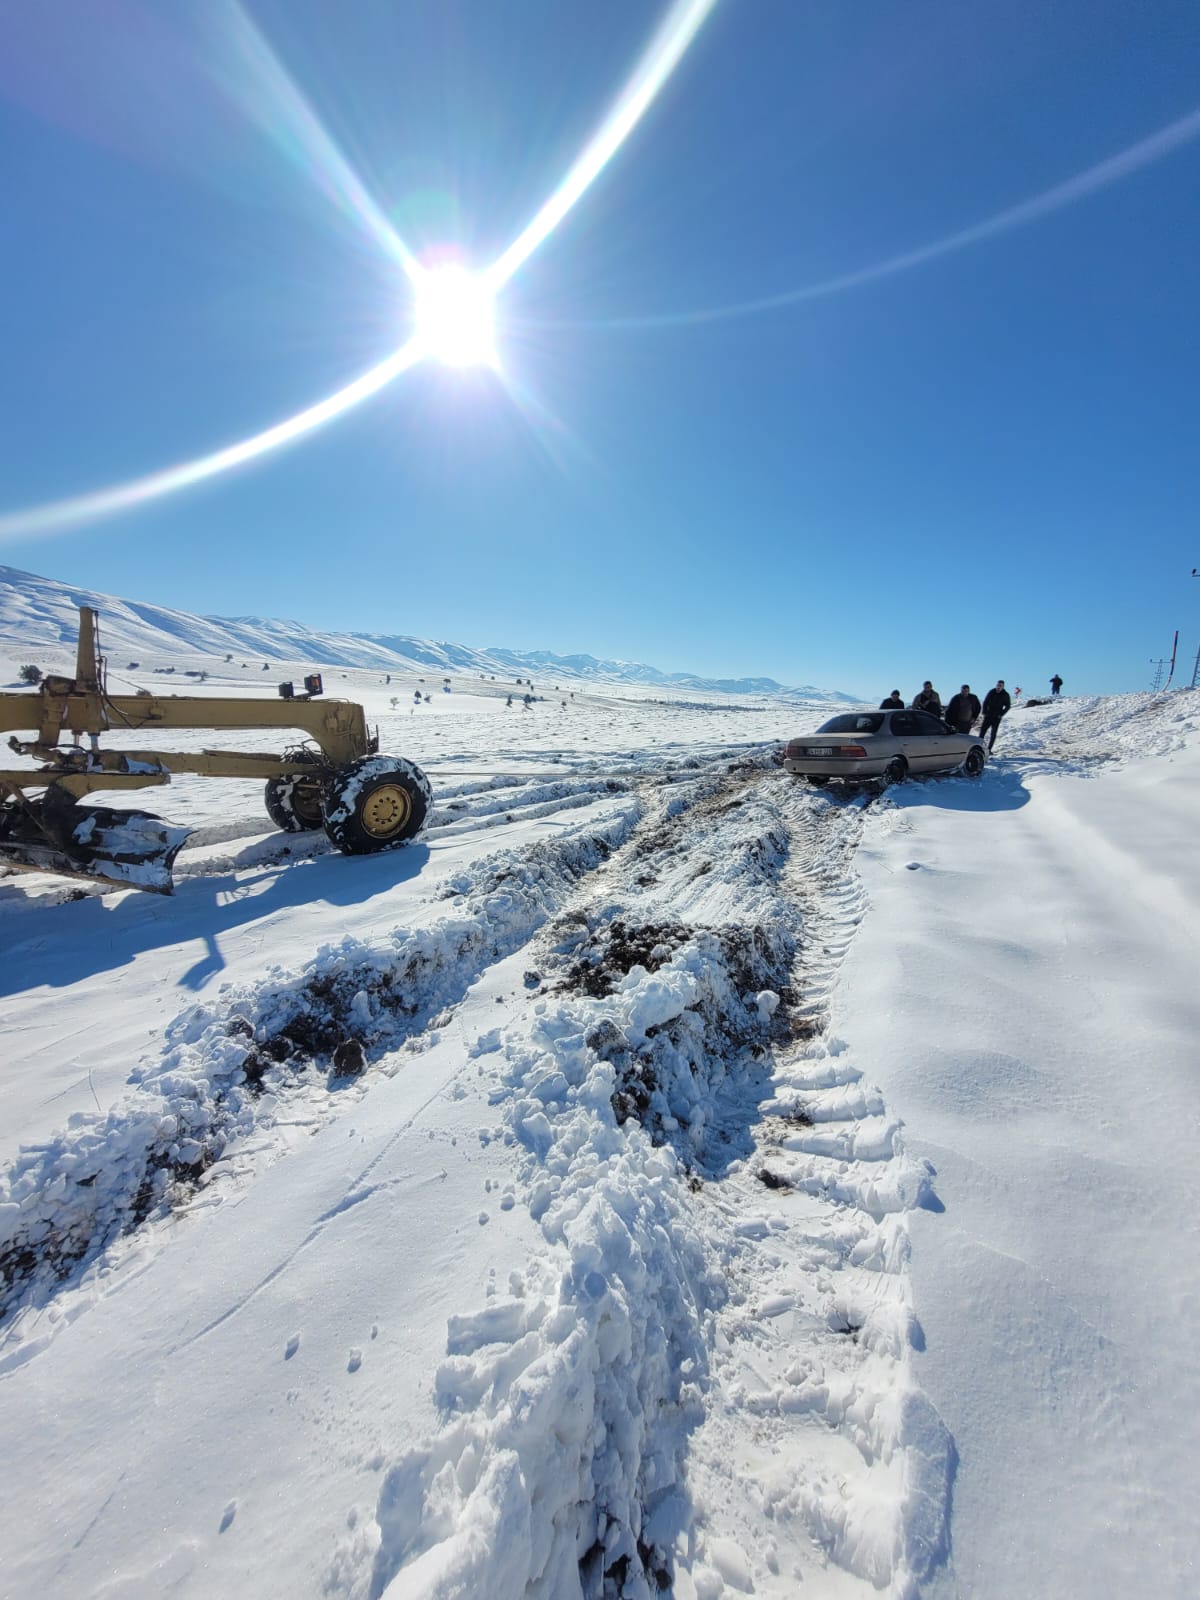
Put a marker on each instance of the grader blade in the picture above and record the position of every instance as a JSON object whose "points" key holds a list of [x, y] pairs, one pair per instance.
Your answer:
{"points": [[130, 849]]}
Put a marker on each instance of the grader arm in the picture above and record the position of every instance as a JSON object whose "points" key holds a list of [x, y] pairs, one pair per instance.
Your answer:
{"points": [[50, 831]]}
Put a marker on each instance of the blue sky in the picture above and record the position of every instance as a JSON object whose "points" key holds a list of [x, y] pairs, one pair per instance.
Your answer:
{"points": [[984, 465]]}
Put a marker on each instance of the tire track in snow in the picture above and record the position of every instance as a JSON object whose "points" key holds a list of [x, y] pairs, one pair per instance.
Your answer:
{"points": [[231, 1072], [568, 1403], [228, 1069], [597, 1411], [819, 1455]]}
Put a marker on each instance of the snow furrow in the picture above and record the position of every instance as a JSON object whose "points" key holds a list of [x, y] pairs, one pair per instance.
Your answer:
{"points": [[229, 1068], [584, 1415]]}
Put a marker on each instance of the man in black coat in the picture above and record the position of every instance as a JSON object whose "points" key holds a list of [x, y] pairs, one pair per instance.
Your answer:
{"points": [[997, 703], [893, 702], [962, 710]]}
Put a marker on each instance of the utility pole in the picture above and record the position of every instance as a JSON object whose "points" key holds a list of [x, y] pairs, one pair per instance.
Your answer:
{"points": [[1174, 653], [1159, 669], [1196, 663]]}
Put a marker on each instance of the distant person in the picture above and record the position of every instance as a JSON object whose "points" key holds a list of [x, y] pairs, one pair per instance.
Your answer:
{"points": [[1055, 685], [928, 700], [508, 702], [997, 703], [893, 702], [962, 710]]}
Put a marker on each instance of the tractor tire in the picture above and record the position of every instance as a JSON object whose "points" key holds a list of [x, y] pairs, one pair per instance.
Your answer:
{"points": [[974, 762], [375, 804], [294, 803]]}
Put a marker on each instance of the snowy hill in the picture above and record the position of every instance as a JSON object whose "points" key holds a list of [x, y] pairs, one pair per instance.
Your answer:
{"points": [[39, 615]]}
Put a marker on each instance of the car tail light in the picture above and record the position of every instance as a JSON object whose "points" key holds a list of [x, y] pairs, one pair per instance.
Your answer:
{"points": [[852, 750]]}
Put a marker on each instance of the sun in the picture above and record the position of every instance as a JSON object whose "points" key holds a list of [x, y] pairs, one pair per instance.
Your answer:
{"points": [[454, 320]]}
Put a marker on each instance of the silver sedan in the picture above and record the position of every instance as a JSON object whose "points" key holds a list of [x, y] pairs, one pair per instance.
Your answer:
{"points": [[885, 745]]}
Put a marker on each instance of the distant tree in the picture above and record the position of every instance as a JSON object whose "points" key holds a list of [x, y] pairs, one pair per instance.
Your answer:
{"points": [[30, 674]]}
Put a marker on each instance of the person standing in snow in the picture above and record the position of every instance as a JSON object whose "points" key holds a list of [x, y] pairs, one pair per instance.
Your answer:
{"points": [[997, 703], [1055, 684], [893, 702], [962, 710], [928, 700]]}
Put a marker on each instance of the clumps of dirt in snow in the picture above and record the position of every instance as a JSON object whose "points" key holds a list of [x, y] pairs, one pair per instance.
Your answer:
{"points": [[228, 1067], [610, 953], [560, 1468], [724, 998]]}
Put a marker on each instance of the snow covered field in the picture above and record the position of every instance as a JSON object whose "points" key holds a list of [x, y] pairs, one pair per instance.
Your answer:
{"points": [[724, 1187]]}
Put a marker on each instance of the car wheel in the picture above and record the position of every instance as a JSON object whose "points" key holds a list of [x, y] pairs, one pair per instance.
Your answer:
{"points": [[975, 761], [895, 772], [818, 781]]}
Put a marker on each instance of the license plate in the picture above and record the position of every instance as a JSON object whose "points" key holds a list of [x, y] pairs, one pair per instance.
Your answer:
{"points": [[820, 750]]}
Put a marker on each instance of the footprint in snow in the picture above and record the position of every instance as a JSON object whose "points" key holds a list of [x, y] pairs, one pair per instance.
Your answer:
{"points": [[291, 1347], [227, 1516], [355, 1360]]}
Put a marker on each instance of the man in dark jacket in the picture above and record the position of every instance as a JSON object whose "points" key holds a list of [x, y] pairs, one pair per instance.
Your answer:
{"points": [[893, 702], [1055, 684], [928, 700], [962, 710], [997, 703]]}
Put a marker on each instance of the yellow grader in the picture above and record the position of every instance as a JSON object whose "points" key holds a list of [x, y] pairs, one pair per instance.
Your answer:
{"points": [[337, 780]]}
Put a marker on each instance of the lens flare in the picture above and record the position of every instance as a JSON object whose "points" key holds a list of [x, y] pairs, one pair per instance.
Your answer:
{"points": [[282, 111], [663, 54], [454, 321], [63, 514], [1114, 169]]}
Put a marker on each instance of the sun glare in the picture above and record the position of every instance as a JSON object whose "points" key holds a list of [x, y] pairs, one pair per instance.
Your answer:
{"points": [[454, 318]]}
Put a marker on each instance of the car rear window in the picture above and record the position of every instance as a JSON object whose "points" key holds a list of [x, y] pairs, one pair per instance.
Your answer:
{"points": [[853, 722]]}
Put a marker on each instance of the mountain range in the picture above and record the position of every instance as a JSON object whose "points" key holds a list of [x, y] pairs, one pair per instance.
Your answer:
{"points": [[41, 614]]}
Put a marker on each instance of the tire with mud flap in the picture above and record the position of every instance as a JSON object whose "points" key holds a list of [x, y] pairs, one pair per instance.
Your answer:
{"points": [[375, 804], [974, 761], [294, 803], [895, 772]]}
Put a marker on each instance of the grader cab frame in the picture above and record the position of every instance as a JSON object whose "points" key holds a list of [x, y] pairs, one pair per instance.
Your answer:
{"points": [[364, 801]]}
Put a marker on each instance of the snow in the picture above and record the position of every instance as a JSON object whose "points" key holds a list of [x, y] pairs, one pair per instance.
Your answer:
{"points": [[659, 1177]]}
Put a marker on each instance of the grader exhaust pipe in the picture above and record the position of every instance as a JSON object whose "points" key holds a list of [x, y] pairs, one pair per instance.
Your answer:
{"points": [[364, 801]]}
